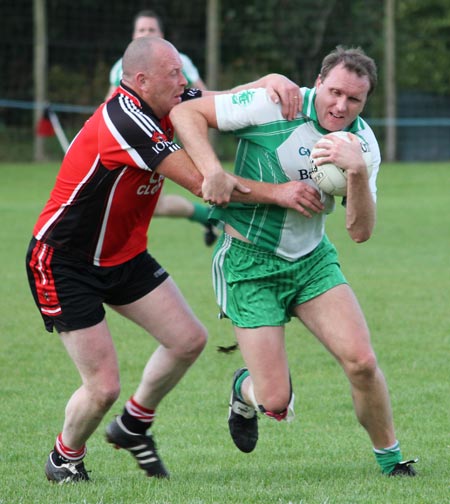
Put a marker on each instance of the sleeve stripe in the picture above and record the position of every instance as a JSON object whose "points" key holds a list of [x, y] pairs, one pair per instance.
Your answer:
{"points": [[124, 145]]}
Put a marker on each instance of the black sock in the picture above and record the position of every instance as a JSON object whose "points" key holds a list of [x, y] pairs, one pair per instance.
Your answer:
{"points": [[58, 459], [133, 424]]}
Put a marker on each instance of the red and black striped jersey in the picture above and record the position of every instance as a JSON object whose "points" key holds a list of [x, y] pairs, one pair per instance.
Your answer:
{"points": [[107, 188]]}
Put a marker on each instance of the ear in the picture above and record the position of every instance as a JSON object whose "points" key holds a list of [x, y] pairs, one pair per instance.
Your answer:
{"points": [[318, 81], [140, 78]]}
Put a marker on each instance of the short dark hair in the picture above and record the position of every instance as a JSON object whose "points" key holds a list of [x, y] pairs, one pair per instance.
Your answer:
{"points": [[151, 14], [355, 60]]}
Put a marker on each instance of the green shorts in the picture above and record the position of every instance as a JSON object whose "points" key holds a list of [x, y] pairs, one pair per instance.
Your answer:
{"points": [[256, 288]]}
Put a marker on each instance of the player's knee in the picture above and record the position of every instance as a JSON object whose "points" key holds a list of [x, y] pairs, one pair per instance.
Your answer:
{"points": [[191, 345], [106, 395], [363, 368]]}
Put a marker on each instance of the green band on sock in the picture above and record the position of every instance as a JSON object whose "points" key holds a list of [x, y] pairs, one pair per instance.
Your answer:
{"points": [[387, 458], [238, 384], [201, 213]]}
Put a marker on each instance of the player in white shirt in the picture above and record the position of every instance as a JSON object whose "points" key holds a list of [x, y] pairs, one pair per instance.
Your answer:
{"points": [[148, 24]]}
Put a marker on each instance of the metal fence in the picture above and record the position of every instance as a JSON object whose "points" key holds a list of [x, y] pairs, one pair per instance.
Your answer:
{"points": [[83, 39]]}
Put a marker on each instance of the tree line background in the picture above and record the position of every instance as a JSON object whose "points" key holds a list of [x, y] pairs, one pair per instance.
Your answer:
{"points": [[256, 37]]}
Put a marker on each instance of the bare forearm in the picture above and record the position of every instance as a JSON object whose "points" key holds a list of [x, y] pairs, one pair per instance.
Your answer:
{"points": [[260, 192], [179, 168], [360, 211], [295, 195], [192, 126]]}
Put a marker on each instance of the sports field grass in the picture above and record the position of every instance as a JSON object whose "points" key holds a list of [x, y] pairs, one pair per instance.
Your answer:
{"points": [[402, 278]]}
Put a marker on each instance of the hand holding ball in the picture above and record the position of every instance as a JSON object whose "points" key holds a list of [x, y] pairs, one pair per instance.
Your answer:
{"points": [[329, 177]]}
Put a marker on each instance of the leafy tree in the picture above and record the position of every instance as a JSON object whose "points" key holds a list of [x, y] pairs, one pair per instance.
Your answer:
{"points": [[423, 45], [292, 36]]}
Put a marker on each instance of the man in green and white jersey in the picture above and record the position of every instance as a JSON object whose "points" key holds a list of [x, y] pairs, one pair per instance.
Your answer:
{"points": [[274, 263], [284, 148]]}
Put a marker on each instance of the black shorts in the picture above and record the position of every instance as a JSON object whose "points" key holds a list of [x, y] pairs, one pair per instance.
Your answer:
{"points": [[70, 293]]}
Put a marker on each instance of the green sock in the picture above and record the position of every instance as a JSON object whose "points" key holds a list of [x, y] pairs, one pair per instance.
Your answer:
{"points": [[238, 384], [387, 458], [200, 214]]}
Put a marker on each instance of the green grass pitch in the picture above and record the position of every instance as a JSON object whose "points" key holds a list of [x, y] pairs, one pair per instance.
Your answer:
{"points": [[402, 279]]}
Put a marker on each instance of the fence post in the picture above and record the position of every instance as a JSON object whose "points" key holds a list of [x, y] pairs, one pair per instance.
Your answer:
{"points": [[212, 52], [390, 84], [39, 73]]}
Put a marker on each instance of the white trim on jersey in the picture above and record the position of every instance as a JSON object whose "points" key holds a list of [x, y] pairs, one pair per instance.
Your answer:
{"points": [[310, 102], [121, 141], [135, 113], [101, 238], [56, 215], [144, 121]]}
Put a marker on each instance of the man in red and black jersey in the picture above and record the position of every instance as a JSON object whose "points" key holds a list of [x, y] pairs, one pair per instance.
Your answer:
{"points": [[89, 248]]}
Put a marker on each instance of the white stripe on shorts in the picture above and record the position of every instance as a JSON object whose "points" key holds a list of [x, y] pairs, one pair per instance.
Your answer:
{"points": [[219, 283]]}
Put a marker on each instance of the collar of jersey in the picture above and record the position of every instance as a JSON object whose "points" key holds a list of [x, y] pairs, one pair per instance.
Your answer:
{"points": [[135, 98]]}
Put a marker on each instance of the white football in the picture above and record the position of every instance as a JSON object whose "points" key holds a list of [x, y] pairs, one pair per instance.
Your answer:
{"points": [[329, 177]]}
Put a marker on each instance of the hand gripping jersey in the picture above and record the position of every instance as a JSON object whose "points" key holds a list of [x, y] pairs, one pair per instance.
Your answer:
{"points": [[272, 149], [106, 190]]}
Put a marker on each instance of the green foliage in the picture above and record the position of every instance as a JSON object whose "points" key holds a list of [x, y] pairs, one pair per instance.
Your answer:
{"points": [[423, 41], [292, 37], [257, 36], [75, 86], [400, 277]]}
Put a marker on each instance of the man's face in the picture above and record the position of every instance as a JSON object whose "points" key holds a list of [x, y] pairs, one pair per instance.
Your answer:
{"points": [[340, 98], [165, 82], [147, 27]]}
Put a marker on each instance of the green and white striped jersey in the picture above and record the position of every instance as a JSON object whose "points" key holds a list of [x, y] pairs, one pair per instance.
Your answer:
{"points": [[272, 149]]}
